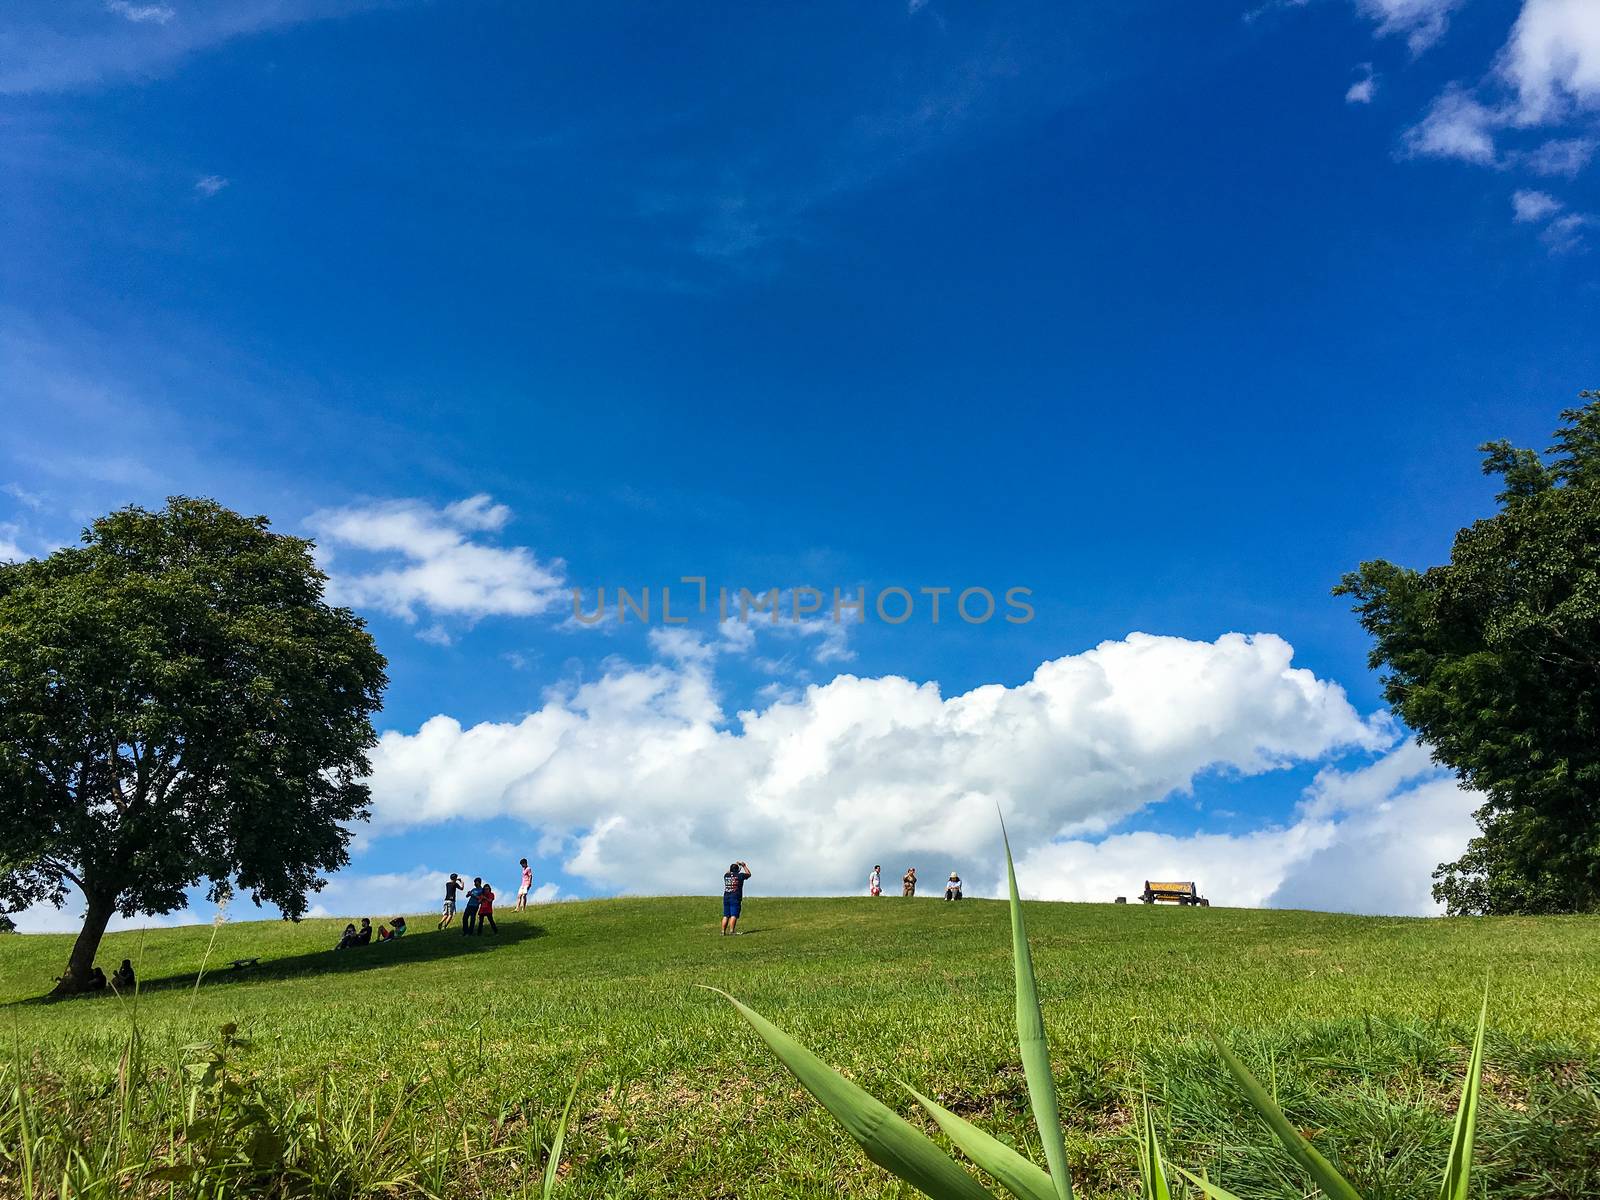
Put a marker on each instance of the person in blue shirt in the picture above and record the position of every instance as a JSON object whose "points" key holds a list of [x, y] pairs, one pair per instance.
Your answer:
{"points": [[733, 896], [469, 914]]}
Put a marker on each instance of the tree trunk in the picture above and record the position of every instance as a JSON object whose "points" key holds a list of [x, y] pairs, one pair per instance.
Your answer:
{"points": [[80, 965]]}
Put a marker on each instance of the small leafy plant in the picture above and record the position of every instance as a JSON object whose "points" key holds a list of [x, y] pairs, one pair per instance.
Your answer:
{"points": [[897, 1146]]}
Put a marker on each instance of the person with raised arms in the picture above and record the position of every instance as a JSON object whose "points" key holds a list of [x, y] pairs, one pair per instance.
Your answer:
{"points": [[733, 896]]}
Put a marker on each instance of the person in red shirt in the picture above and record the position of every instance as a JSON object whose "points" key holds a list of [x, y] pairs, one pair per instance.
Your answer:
{"points": [[486, 910]]}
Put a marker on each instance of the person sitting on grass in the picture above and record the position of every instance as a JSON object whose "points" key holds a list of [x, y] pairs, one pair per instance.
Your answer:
{"points": [[469, 915], [952, 889], [364, 934], [122, 977], [486, 910], [97, 980], [733, 896], [389, 935]]}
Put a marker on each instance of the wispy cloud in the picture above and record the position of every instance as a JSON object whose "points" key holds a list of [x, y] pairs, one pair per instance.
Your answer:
{"points": [[1364, 88], [141, 14], [415, 558], [57, 46], [1420, 22], [210, 185]]}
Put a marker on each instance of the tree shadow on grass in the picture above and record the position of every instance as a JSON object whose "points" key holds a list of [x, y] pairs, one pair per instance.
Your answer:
{"points": [[421, 946]]}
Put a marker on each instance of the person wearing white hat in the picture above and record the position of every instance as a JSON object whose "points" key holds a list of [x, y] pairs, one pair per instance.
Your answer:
{"points": [[952, 889]]}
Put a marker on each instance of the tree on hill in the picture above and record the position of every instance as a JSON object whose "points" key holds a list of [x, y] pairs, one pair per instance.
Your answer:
{"points": [[1494, 659], [177, 703]]}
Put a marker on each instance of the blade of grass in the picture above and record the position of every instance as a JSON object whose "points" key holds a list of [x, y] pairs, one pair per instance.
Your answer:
{"points": [[1458, 1169], [888, 1139], [1016, 1174], [1030, 1041], [554, 1163], [1205, 1185], [1302, 1151], [1150, 1170]]}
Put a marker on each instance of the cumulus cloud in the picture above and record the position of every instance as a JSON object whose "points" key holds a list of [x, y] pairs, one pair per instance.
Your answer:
{"points": [[10, 548], [1365, 841], [434, 560], [1553, 59], [646, 782], [1547, 73]]}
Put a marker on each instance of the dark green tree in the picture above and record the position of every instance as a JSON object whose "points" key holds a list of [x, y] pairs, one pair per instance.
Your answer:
{"points": [[1494, 660], [177, 703]]}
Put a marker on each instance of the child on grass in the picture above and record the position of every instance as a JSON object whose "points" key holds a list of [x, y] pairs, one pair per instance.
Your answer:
{"points": [[486, 910]]}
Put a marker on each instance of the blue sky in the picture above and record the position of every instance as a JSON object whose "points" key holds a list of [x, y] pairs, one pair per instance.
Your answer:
{"points": [[1168, 313]]}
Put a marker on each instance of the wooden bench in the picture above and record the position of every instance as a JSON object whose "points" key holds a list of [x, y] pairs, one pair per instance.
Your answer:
{"points": [[1173, 893]]}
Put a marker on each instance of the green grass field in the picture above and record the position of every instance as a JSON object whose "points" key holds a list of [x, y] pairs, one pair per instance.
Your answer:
{"points": [[439, 1065]]}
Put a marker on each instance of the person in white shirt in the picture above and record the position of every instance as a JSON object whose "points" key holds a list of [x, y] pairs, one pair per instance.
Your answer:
{"points": [[952, 889], [875, 882]]}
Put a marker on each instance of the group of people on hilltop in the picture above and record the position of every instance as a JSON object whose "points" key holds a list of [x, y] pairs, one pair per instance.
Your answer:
{"points": [[908, 883], [478, 908]]}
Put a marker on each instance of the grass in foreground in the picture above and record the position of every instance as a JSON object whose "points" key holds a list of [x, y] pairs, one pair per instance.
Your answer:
{"points": [[440, 1066]]}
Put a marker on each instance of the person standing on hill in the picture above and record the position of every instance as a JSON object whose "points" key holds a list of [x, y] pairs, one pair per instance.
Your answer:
{"points": [[733, 896], [875, 881], [486, 910], [908, 882], [523, 885], [469, 915], [451, 887]]}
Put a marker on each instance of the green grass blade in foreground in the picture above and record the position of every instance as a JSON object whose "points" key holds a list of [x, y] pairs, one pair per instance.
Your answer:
{"points": [[1458, 1170], [1302, 1151], [554, 1164], [1206, 1186], [1015, 1173], [1030, 1041], [1151, 1173], [888, 1140]]}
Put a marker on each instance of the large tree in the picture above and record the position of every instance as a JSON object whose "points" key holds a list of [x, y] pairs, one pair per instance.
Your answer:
{"points": [[178, 704], [1494, 659]]}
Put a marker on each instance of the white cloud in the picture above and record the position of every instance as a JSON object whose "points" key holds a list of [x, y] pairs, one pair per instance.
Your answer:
{"points": [[1553, 59], [1559, 156], [649, 784], [1420, 22], [1457, 125], [11, 549], [1365, 841], [431, 560], [1364, 88], [57, 46], [210, 185], [1547, 73], [140, 14], [1564, 235], [1529, 205]]}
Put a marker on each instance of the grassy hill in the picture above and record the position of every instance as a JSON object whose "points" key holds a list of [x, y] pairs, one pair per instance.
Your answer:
{"points": [[438, 1065]]}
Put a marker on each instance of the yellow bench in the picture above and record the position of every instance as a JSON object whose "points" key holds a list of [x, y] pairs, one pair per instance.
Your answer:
{"points": [[1173, 893]]}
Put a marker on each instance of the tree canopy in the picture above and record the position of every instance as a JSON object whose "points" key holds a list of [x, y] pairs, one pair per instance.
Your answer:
{"points": [[1494, 660], [178, 704]]}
